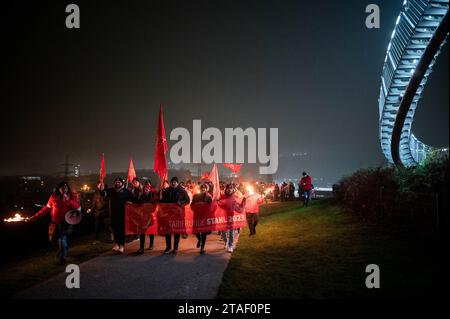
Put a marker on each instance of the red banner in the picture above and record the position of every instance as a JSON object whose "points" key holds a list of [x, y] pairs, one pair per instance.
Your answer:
{"points": [[173, 219], [140, 219], [211, 217]]}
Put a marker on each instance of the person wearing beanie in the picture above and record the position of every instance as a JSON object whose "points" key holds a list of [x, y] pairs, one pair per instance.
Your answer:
{"points": [[146, 196], [117, 196], [176, 194]]}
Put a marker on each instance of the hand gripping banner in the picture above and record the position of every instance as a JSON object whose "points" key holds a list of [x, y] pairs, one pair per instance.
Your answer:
{"points": [[174, 219]]}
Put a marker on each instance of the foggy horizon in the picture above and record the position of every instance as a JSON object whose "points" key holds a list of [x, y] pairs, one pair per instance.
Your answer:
{"points": [[229, 63]]}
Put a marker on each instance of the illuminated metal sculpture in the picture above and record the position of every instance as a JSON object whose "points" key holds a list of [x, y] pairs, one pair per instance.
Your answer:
{"points": [[420, 31]]}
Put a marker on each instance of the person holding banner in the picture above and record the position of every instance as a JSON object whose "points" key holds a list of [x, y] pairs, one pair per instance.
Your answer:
{"points": [[229, 202], [147, 196], [118, 196], [153, 190], [62, 201], [202, 197], [176, 194], [164, 185], [136, 188]]}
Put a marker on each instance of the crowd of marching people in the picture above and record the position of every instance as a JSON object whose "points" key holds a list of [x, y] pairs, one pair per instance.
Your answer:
{"points": [[286, 191], [109, 204]]}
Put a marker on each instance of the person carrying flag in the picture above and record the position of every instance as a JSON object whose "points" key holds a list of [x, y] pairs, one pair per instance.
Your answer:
{"points": [[118, 196], [100, 208]]}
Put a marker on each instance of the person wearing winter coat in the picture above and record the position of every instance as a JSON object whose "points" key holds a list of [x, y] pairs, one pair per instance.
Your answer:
{"points": [[176, 194], [146, 196], [118, 196], [306, 187], [100, 208], [252, 202], [203, 197], [62, 201], [230, 202]]}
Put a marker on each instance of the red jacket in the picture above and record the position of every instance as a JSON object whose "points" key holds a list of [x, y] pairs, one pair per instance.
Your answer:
{"points": [[59, 207], [306, 183], [230, 203], [252, 203]]}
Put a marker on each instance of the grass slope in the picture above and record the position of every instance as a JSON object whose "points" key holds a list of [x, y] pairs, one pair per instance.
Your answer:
{"points": [[320, 252], [43, 264]]}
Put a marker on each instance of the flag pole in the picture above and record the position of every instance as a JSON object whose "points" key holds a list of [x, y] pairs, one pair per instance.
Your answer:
{"points": [[128, 172]]}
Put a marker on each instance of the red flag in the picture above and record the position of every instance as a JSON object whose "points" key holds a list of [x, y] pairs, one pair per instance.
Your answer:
{"points": [[160, 166], [233, 167], [205, 175], [102, 169], [214, 178], [131, 171]]}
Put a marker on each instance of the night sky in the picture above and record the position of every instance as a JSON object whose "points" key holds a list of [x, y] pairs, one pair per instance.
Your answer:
{"points": [[311, 69]]}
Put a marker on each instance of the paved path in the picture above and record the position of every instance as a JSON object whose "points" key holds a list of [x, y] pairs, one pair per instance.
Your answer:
{"points": [[185, 275]]}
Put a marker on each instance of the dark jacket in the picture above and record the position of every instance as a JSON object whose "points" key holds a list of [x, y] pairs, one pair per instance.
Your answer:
{"points": [[202, 198], [100, 205], [117, 200], [176, 195], [137, 193], [145, 198]]}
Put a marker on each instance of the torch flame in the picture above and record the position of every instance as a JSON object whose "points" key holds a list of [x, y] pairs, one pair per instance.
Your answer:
{"points": [[17, 218]]}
